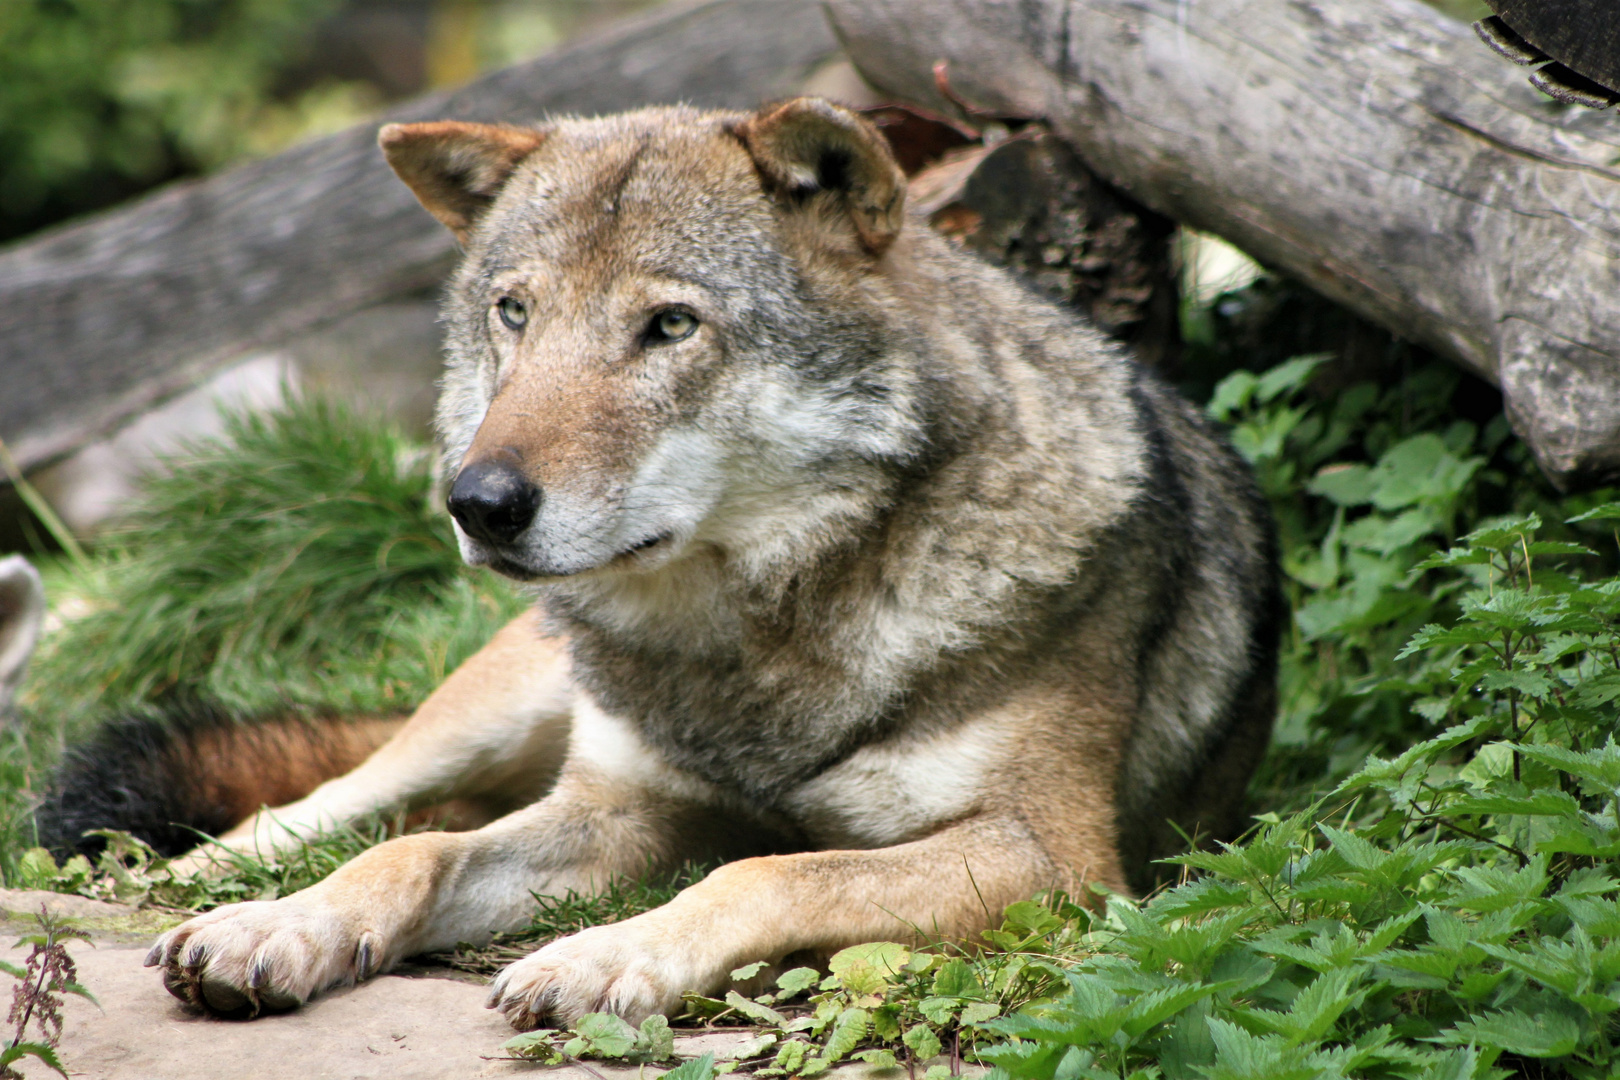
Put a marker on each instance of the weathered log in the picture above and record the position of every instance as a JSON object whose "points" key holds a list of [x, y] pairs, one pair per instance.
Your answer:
{"points": [[98, 320], [1373, 148]]}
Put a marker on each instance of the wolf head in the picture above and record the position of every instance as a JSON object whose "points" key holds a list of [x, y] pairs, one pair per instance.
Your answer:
{"points": [[672, 330], [22, 609]]}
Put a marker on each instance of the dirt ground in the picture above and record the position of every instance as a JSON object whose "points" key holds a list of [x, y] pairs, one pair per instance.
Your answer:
{"points": [[425, 1026]]}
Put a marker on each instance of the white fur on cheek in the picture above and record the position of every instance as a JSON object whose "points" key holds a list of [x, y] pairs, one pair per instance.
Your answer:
{"points": [[674, 487]]}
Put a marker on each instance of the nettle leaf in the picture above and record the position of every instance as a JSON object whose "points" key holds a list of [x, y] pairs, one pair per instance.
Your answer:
{"points": [[887, 958], [955, 978], [1151, 1009], [922, 1041], [697, 1069], [1546, 1035], [1232, 394], [1598, 691], [762, 1014], [792, 983], [1288, 376], [1585, 835], [1605, 512], [1315, 1009], [1434, 636], [1543, 802], [1489, 889], [1506, 533], [1387, 535], [1457, 556], [1426, 968], [1598, 769], [1242, 1056], [1588, 881], [1359, 853], [45, 1053], [1420, 468], [1198, 897], [1532, 684], [1558, 547], [1344, 485], [1379, 772]]}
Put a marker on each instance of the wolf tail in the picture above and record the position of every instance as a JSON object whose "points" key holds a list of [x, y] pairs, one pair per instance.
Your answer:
{"points": [[169, 779]]}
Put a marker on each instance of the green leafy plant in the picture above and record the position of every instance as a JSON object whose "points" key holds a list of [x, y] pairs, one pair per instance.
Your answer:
{"points": [[1454, 912], [45, 976], [101, 100], [128, 871], [597, 1035]]}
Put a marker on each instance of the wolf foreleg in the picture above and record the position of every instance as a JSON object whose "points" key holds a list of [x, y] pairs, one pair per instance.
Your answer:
{"points": [[495, 732], [428, 891], [952, 885]]}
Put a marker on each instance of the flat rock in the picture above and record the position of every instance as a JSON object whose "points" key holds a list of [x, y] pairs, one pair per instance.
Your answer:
{"points": [[425, 1027], [105, 921], [425, 1023]]}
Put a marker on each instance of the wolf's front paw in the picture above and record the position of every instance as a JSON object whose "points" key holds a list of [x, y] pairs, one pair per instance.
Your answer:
{"points": [[241, 959], [616, 969]]}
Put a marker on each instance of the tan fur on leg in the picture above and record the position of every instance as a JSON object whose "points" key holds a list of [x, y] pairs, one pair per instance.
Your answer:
{"points": [[951, 886], [493, 734]]}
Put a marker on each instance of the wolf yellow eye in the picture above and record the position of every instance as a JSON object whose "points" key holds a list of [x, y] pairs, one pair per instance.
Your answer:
{"points": [[672, 325], [512, 312]]}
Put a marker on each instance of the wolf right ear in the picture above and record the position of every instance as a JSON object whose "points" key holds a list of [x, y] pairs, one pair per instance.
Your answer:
{"points": [[456, 168], [810, 145], [22, 610]]}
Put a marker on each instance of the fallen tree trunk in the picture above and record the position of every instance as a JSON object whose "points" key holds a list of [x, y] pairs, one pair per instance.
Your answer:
{"points": [[1372, 148], [101, 319]]}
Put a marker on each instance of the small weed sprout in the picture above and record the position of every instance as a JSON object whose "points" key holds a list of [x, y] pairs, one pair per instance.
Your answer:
{"points": [[47, 975]]}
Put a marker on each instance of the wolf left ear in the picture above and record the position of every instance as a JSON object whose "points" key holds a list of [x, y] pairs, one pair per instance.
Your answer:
{"points": [[456, 169], [810, 145]]}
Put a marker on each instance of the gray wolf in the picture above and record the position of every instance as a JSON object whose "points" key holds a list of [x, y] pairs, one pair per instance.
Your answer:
{"points": [[859, 569]]}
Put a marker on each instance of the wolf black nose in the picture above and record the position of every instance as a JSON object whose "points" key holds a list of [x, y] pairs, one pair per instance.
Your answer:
{"points": [[493, 502]]}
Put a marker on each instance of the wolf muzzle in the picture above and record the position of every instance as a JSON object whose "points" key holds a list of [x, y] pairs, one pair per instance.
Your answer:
{"points": [[493, 502]]}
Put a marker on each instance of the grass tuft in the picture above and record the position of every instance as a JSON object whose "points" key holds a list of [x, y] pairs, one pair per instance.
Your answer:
{"points": [[295, 564]]}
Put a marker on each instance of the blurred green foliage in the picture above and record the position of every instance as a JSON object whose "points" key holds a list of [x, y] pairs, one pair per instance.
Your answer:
{"points": [[100, 99], [298, 563]]}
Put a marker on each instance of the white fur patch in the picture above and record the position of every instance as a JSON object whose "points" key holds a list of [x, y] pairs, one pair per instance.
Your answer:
{"points": [[612, 748], [898, 790]]}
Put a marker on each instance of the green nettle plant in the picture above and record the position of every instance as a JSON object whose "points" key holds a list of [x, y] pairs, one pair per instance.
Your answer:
{"points": [[37, 996], [1447, 912]]}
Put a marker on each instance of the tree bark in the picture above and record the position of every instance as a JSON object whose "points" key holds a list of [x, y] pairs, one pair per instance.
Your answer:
{"points": [[1373, 148], [101, 319]]}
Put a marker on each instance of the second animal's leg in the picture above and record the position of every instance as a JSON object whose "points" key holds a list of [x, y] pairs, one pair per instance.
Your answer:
{"points": [[494, 732]]}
